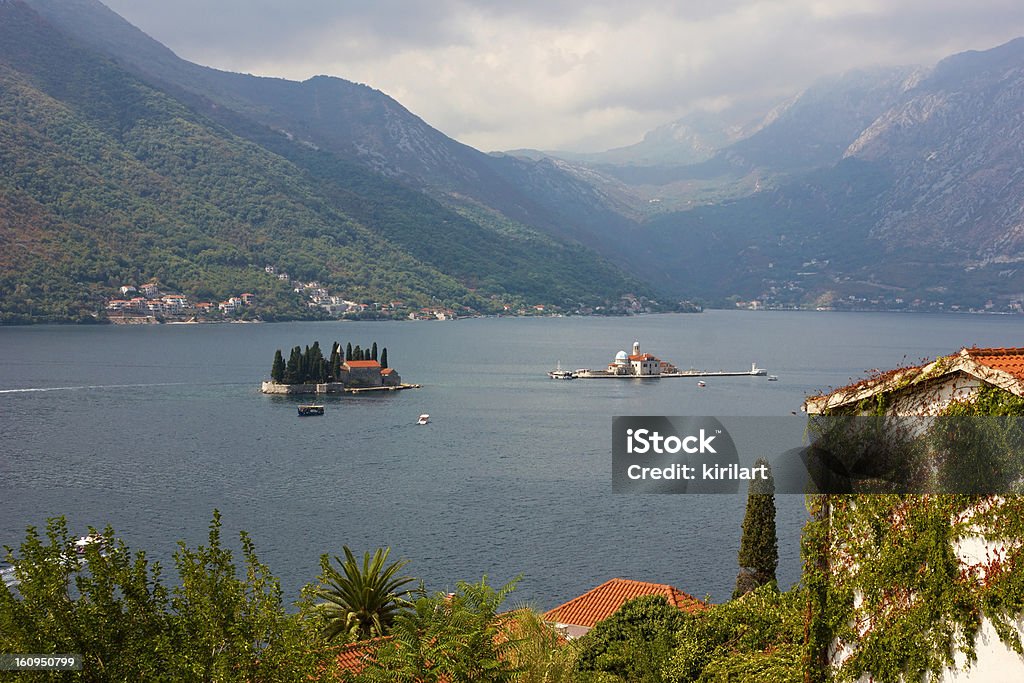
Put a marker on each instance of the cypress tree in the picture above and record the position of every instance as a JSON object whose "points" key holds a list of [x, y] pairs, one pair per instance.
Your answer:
{"points": [[384, 357], [759, 546], [292, 369], [316, 365], [332, 365], [277, 370], [348, 352], [373, 351], [358, 353]]}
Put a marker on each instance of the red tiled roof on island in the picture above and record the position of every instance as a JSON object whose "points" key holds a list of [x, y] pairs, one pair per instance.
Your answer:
{"points": [[362, 364], [600, 603]]}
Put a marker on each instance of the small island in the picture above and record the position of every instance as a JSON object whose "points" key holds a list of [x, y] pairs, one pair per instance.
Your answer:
{"points": [[346, 370]]}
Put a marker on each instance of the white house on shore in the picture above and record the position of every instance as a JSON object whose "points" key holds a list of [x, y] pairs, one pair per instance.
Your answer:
{"points": [[984, 551]]}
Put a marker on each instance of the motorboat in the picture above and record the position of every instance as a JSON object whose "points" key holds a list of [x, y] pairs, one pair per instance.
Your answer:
{"points": [[305, 411], [423, 419], [559, 373], [773, 378], [702, 383]]}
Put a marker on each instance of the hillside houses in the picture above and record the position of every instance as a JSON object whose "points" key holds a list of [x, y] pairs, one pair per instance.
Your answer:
{"points": [[150, 304]]}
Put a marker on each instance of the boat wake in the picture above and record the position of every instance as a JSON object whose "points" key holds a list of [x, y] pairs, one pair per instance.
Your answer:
{"points": [[89, 386]]}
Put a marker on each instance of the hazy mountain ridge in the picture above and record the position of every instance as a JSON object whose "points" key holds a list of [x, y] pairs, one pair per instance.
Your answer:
{"points": [[891, 182], [355, 121], [955, 146], [107, 180], [939, 177]]}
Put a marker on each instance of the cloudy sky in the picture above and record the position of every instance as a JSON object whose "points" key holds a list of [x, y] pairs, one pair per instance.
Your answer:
{"points": [[582, 75]]}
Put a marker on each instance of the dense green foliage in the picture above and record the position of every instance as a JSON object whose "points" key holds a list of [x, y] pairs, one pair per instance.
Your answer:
{"points": [[882, 573], [755, 639], [759, 544], [635, 643], [308, 366], [107, 180], [449, 637], [361, 601], [112, 606], [918, 607]]}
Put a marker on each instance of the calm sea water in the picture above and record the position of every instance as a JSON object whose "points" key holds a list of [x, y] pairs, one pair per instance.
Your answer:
{"points": [[149, 429]]}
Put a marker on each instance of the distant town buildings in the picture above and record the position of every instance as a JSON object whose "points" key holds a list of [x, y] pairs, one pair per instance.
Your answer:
{"points": [[154, 305]]}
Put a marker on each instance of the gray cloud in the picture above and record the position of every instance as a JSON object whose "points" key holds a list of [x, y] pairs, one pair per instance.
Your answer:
{"points": [[570, 74]]}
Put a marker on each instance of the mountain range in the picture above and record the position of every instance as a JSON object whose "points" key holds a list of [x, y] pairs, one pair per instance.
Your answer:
{"points": [[128, 164], [888, 187]]}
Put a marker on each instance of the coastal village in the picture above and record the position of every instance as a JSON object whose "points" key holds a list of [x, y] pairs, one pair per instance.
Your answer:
{"points": [[149, 304], [152, 303]]}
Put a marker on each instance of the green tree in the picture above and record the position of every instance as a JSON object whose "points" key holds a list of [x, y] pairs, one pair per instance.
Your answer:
{"points": [[358, 353], [636, 642], [361, 601], [334, 363], [450, 637], [292, 371], [235, 629], [104, 603], [759, 545], [111, 606], [373, 351], [539, 654], [277, 370], [348, 351], [316, 365], [384, 357], [757, 638]]}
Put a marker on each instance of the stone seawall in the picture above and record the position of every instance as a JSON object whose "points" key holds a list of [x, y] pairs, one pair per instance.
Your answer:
{"points": [[328, 388], [287, 389]]}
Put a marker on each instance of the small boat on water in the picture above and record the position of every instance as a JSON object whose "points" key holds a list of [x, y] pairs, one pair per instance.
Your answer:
{"points": [[702, 383], [773, 378], [307, 410], [559, 373], [423, 419]]}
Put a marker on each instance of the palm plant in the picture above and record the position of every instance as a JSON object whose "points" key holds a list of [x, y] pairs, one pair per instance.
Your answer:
{"points": [[361, 601]]}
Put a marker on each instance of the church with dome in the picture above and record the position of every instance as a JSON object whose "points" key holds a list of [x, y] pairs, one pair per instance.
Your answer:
{"points": [[638, 364]]}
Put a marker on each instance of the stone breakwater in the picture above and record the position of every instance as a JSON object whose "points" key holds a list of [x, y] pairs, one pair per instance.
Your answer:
{"points": [[326, 388]]}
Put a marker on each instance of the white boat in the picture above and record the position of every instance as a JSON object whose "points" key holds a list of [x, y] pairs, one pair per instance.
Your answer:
{"points": [[423, 419], [773, 378], [702, 383], [559, 373]]}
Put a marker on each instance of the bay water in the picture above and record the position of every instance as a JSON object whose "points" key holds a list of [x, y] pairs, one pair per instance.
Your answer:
{"points": [[149, 428]]}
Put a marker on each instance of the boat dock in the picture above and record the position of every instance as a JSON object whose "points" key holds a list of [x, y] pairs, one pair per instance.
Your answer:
{"points": [[601, 374], [639, 365]]}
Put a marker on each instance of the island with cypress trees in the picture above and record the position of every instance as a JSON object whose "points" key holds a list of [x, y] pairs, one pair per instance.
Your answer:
{"points": [[346, 369]]}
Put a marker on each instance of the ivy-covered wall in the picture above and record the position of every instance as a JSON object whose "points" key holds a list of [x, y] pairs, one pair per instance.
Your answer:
{"points": [[899, 586]]}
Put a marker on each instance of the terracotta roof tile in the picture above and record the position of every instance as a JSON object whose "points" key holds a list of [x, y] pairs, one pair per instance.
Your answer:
{"points": [[354, 656], [1009, 360], [601, 602], [362, 364]]}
